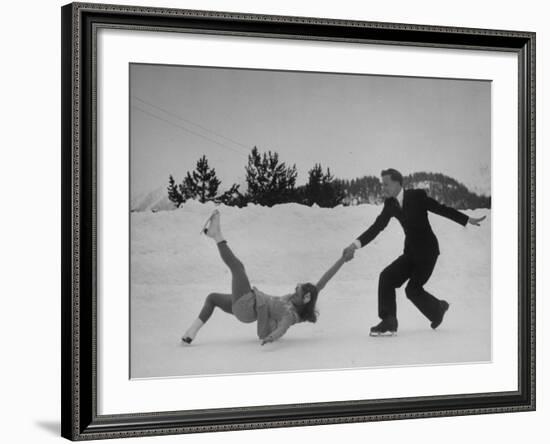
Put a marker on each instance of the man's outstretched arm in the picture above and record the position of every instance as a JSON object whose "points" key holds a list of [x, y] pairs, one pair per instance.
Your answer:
{"points": [[450, 213]]}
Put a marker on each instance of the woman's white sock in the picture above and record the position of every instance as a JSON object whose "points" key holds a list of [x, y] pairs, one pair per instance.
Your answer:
{"points": [[195, 327]]}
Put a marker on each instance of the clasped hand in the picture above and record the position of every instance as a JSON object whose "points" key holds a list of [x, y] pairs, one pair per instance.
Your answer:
{"points": [[349, 252]]}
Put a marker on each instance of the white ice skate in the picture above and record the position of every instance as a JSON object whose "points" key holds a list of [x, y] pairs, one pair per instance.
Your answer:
{"points": [[208, 223]]}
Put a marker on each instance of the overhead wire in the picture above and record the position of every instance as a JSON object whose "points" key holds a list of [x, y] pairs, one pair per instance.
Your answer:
{"points": [[204, 128], [188, 130]]}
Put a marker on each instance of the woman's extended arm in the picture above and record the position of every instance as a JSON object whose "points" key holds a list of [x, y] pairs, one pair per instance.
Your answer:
{"points": [[281, 329], [330, 273]]}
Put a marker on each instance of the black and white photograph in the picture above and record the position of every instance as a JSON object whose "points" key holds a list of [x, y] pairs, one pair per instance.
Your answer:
{"points": [[302, 221], [277, 221]]}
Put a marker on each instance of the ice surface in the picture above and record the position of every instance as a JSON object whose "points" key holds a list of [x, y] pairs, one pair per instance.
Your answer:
{"points": [[173, 268]]}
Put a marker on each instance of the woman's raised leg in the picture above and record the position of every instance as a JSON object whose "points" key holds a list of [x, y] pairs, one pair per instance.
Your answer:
{"points": [[239, 281], [240, 285]]}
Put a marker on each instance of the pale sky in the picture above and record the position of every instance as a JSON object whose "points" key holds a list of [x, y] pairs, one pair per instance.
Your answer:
{"points": [[353, 123]]}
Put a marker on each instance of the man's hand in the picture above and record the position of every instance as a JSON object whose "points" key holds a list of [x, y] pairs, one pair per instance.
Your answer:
{"points": [[349, 252], [475, 220]]}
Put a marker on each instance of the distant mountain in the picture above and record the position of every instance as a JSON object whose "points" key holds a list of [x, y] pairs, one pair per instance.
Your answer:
{"points": [[156, 200], [444, 189], [447, 190], [480, 181]]}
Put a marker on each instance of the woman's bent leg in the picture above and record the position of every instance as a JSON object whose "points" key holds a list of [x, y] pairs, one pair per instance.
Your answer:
{"points": [[213, 300], [240, 284]]}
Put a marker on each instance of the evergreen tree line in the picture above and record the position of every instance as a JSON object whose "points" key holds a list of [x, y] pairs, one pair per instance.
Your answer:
{"points": [[270, 181]]}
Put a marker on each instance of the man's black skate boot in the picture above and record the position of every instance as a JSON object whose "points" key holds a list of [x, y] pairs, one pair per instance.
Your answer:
{"points": [[444, 307], [388, 327]]}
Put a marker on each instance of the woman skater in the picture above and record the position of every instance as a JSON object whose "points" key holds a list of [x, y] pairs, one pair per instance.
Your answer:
{"points": [[274, 315]]}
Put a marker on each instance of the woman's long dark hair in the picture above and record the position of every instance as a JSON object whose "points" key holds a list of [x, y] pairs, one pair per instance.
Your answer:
{"points": [[307, 312]]}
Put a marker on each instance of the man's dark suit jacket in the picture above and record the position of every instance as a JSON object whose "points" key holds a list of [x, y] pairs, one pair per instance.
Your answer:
{"points": [[420, 240]]}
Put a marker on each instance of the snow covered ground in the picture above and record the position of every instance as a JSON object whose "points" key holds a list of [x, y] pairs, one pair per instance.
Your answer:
{"points": [[173, 269]]}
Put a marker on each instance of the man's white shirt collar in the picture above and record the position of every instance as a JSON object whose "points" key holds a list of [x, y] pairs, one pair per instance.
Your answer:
{"points": [[400, 197]]}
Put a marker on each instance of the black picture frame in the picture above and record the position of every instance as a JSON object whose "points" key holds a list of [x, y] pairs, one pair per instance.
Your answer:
{"points": [[80, 420]]}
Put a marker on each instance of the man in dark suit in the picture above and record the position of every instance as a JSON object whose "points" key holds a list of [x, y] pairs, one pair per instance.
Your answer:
{"points": [[410, 207]]}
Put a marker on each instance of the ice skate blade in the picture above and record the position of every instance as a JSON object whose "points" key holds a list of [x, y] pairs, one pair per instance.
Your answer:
{"points": [[388, 334]]}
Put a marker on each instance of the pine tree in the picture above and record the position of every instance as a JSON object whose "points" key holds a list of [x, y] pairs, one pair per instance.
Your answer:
{"points": [[322, 189], [314, 184], [269, 181], [174, 192], [232, 197], [202, 183], [332, 192]]}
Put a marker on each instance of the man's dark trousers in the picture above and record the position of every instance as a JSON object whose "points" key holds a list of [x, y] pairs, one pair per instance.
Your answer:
{"points": [[417, 271]]}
